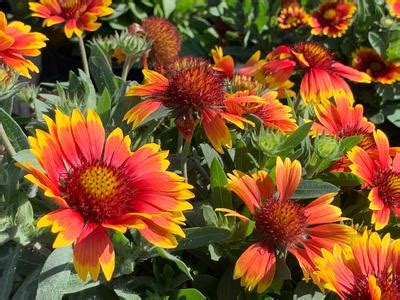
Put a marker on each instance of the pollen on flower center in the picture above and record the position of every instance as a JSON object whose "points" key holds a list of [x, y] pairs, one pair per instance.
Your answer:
{"points": [[282, 222], [389, 187], [98, 191]]}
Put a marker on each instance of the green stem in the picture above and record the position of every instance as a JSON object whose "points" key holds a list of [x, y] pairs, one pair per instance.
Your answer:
{"points": [[184, 158], [126, 67], [83, 55], [6, 140]]}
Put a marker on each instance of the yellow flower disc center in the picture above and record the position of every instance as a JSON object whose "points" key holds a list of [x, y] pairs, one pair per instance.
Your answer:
{"points": [[330, 14], [98, 181]]}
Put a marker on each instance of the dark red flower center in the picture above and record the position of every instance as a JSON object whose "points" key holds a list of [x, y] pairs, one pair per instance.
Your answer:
{"points": [[283, 223], [98, 191], [388, 183]]}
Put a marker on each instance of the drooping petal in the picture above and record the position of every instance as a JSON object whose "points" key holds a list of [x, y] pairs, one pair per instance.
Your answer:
{"points": [[216, 130], [258, 274], [93, 250]]}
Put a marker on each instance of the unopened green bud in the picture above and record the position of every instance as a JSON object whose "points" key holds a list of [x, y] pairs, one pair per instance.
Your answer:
{"points": [[327, 147], [269, 141], [132, 43], [387, 22], [106, 43]]}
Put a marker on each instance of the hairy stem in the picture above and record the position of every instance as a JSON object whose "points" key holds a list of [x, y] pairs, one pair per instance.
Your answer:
{"points": [[83, 55]]}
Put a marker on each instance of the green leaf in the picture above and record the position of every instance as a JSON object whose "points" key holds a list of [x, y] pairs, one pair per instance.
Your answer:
{"points": [[179, 263], [27, 290], [297, 137], [101, 71], [313, 188], [376, 42], [343, 179], [6, 281], [210, 154], [24, 156], [189, 294], [262, 15], [17, 137], [168, 7], [201, 236], [220, 196], [393, 50], [348, 143], [307, 291], [57, 278], [126, 295]]}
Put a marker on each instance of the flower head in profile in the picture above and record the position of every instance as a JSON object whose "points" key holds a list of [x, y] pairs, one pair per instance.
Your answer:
{"points": [[394, 7], [368, 269], [76, 15], [99, 184], [166, 43], [322, 77], [342, 120], [369, 61], [194, 92], [18, 42], [332, 18], [381, 174], [283, 224], [292, 15]]}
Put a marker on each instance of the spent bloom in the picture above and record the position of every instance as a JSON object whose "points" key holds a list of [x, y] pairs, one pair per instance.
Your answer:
{"points": [[322, 75], [283, 224], [292, 15], [194, 92], [368, 269], [76, 15], [100, 184], [332, 18], [381, 174], [16, 43], [369, 61]]}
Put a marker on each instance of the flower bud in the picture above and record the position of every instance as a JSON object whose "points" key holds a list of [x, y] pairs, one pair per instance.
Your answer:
{"points": [[327, 147], [270, 140]]}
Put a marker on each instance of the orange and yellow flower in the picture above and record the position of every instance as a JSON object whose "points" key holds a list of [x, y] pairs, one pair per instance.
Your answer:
{"points": [[394, 6], [369, 61], [283, 224], [272, 112], [194, 92], [369, 269], [342, 120], [99, 184], [322, 78], [332, 18], [292, 15], [381, 174], [16, 42], [78, 15]]}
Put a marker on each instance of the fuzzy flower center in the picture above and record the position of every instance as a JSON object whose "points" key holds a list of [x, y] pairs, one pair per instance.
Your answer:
{"points": [[388, 183], [283, 223], [330, 14], [98, 191]]}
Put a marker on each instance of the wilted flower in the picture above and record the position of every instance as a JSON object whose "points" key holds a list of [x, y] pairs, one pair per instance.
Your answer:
{"points": [[369, 61], [16, 42], [283, 224], [332, 18], [165, 40], [368, 269], [78, 15], [292, 15], [322, 74], [99, 184]]}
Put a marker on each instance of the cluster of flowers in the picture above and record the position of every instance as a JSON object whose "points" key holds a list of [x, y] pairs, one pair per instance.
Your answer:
{"points": [[100, 184]]}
